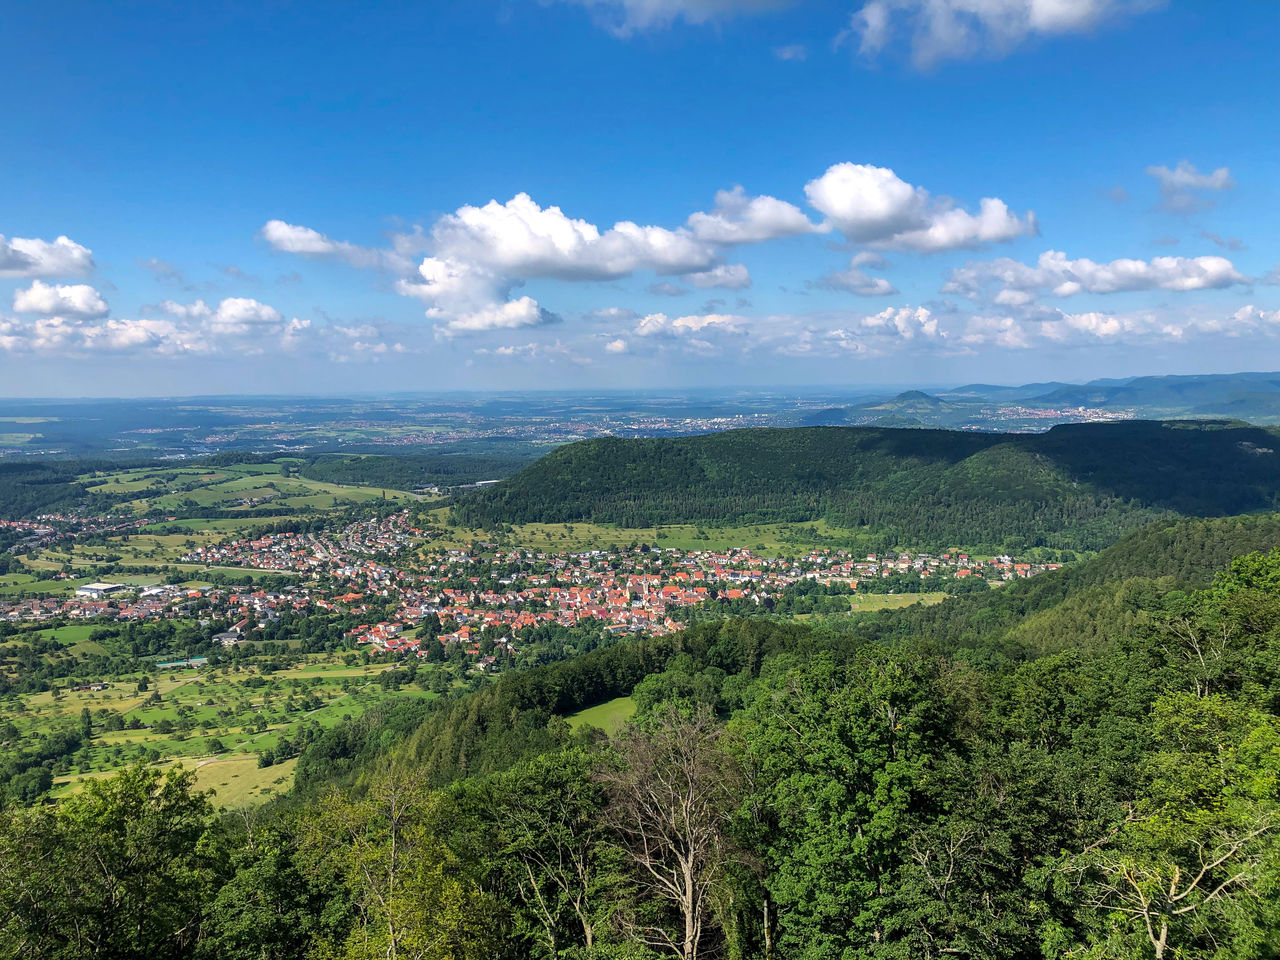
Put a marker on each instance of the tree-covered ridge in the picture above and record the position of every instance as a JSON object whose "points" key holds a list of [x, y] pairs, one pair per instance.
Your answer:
{"points": [[410, 471], [1078, 486]]}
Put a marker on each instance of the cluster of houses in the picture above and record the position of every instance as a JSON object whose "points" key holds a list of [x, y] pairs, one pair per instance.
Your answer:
{"points": [[124, 602], [387, 567], [50, 528]]}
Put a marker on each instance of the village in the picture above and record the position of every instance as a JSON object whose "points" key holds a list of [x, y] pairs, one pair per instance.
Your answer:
{"points": [[420, 598]]}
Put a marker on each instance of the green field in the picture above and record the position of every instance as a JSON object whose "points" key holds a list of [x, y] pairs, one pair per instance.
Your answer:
{"points": [[768, 539], [608, 716], [166, 488], [229, 715], [870, 602]]}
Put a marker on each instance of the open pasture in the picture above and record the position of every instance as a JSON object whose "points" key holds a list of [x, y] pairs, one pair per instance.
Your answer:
{"points": [[219, 720], [226, 487], [768, 539]]}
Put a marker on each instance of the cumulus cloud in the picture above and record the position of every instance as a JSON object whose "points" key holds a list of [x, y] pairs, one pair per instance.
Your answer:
{"points": [[729, 276], [237, 326], [1001, 331], [186, 311], [873, 205], [1046, 325], [856, 280], [908, 322], [512, 315], [77, 300], [1053, 273], [824, 335], [661, 325], [304, 241], [523, 239], [1182, 189], [939, 30], [481, 253], [553, 352], [625, 17], [479, 256], [26, 257], [738, 218], [616, 346]]}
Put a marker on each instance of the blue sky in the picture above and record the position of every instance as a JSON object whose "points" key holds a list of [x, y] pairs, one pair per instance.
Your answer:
{"points": [[279, 197]]}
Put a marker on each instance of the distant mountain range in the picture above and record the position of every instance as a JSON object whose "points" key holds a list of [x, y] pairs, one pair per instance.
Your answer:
{"points": [[1254, 397]]}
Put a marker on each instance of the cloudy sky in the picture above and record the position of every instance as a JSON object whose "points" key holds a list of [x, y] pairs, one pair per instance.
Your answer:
{"points": [[276, 197]]}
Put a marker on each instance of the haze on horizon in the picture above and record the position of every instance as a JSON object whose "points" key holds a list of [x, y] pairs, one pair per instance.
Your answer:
{"points": [[624, 194]]}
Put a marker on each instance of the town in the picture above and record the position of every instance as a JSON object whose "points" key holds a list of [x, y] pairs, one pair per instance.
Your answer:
{"points": [[482, 596]]}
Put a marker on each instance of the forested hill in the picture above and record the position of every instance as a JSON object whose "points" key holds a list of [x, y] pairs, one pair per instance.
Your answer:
{"points": [[1078, 486]]}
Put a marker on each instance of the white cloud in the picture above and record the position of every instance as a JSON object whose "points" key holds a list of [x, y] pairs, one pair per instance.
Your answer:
{"points": [[553, 352], [1250, 315], [512, 315], [1004, 332], [24, 257], [186, 311], [479, 255], [824, 335], [868, 203], [1024, 328], [874, 205], [1181, 187], [624, 17], [1055, 274], [520, 238], [616, 346], [729, 276], [239, 316], [908, 322], [791, 51], [236, 327], [661, 325], [856, 280], [304, 241], [737, 218], [941, 30], [78, 300], [72, 336], [953, 228], [1185, 176]]}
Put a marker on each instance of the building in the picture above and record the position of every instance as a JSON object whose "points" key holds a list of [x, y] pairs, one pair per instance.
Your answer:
{"points": [[96, 591]]}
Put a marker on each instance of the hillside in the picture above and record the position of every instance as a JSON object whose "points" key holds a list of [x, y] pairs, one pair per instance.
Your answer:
{"points": [[1212, 394], [1067, 726], [1079, 486], [1014, 733]]}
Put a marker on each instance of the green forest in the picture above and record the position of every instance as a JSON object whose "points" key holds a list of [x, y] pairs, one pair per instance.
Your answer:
{"points": [[1083, 765], [1078, 486]]}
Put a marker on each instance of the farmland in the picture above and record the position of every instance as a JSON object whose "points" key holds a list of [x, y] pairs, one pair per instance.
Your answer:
{"points": [[220, 720]]}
